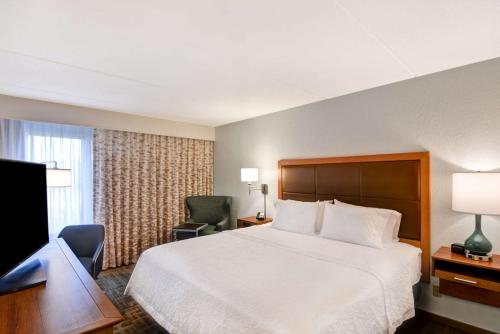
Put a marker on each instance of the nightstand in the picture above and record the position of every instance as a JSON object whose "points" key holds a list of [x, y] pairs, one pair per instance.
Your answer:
{"points": [[251, 221], [478, 281]]}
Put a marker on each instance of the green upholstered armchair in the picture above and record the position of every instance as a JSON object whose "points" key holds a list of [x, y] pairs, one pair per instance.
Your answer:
{"points": [[212, 210]]}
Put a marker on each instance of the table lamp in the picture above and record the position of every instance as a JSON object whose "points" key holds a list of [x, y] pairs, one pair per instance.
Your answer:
{"points": [[479, 194], [250, 175]]}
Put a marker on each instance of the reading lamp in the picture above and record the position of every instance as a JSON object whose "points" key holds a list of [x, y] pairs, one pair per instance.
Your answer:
{"points": [[58, 177], [250, 175], [479, 194]]}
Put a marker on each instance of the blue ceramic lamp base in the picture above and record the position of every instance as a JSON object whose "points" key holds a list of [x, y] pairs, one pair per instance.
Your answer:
{"points": [[477, 246]]}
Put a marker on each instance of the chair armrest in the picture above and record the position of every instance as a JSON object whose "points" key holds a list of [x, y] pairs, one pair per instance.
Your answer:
{"points": [[97, 252], [97, 260], [222, 225]]}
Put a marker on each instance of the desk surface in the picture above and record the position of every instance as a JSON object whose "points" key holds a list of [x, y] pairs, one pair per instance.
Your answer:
{"points": [[70, 302]]}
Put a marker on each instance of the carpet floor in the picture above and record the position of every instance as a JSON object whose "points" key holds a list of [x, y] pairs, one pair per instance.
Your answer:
{"points": [[114, 281]]}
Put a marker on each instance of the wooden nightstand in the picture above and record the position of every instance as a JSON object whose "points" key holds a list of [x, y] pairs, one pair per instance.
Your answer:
{"points": [[250, 221], [460, 277]]}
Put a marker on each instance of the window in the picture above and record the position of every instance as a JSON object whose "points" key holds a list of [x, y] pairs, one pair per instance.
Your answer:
{"points": [[71, 147]]}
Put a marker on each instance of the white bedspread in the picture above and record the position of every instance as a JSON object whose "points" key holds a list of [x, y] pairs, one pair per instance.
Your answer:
{"points": [[262, 280]]}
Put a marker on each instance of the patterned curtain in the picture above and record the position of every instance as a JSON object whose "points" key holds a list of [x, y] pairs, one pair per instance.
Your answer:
{"points": [[140, 184]]}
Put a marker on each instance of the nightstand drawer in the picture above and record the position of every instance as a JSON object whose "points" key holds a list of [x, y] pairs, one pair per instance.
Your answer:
{"points": [[468, 292], [468, 280]]}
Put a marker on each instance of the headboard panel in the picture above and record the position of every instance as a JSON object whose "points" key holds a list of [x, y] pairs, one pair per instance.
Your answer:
{"points": [[393, 181]]}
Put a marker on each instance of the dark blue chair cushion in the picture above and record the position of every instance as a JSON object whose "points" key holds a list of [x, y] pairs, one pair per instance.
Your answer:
{"points": [[87, 263], [86, 241]]}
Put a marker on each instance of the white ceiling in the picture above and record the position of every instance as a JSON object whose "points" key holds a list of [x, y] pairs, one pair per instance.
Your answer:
{"points": [[220, 61]]}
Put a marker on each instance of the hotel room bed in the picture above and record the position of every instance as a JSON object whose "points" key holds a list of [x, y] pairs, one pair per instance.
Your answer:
{"points": [[263, 280], [270, 280]]}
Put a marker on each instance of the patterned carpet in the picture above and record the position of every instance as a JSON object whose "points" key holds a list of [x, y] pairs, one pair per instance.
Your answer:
{"points": [[113, 282]]}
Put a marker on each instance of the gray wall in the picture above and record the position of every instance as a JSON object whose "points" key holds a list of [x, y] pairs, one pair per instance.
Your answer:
{"points": [[453, 114]]}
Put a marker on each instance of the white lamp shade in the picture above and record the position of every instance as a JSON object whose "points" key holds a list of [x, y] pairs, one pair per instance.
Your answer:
{"points": [[58, 177], [249, 175], [477, 193]]}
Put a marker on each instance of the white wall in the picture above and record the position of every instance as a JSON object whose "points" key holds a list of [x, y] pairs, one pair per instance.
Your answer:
{"points": [[453, 114], [34, 110]]}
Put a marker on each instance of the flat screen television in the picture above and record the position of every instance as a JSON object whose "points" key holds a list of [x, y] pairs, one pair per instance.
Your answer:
{"points": [[23, 212]]}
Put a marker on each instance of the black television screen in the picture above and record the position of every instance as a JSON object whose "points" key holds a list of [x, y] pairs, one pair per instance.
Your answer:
{"points": [[23, 212]]}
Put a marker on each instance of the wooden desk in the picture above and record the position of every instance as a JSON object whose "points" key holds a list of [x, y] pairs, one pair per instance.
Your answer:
{"points": [[70, 302]]}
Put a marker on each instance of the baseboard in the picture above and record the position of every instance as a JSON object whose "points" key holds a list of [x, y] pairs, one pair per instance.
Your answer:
{"points": [[451, 323]]}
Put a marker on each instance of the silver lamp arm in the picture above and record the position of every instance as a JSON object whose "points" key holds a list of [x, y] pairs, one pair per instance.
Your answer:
{"points": [[264, 189]]}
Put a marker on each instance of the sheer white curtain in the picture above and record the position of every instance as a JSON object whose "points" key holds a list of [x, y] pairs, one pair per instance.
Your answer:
{"points": [[11, 140], [71, 147]]}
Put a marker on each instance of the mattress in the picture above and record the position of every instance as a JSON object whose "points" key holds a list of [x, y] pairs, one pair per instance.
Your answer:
{"points": [[263, 280]]}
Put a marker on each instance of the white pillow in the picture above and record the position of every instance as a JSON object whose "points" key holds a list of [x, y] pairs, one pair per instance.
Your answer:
{"points": [[357, 225], [320, 215], [394, 217], [295, 216]]}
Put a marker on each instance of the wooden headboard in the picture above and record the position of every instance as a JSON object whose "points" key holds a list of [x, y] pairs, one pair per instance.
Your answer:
{"points": [[394, 181]]}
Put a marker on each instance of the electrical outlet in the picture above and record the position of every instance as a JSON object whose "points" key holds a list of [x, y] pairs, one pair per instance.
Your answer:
{"points": [[435, 291]]}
